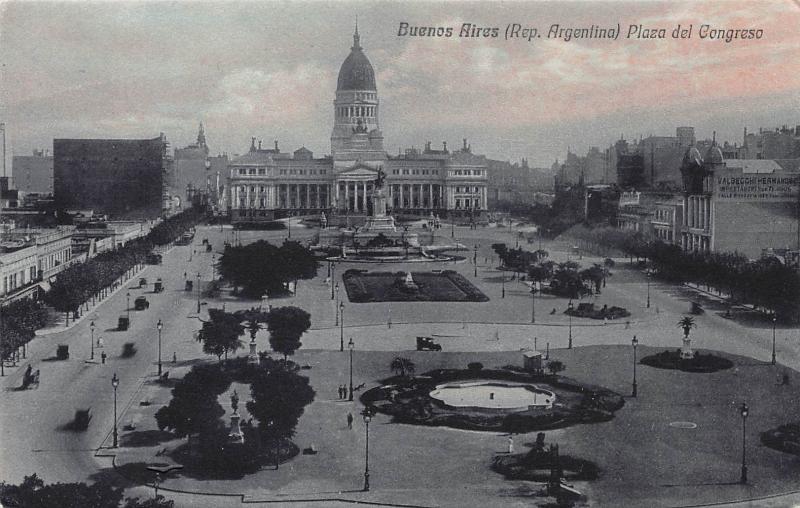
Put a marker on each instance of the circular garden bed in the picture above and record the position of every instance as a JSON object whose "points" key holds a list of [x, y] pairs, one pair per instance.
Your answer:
{"points": [[703, 363], [409, 400], [785, 438]]}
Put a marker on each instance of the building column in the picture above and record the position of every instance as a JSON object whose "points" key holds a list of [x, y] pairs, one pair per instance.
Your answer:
{"points": [[336, 190], [308, 195], [364, 199], [347, 195]]}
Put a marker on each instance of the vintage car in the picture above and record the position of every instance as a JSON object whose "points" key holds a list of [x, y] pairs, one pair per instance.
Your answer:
{"points": [[141, 303], [427, 344]]}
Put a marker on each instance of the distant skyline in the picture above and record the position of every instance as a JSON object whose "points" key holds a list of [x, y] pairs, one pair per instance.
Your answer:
{"points": [[134, 69]]}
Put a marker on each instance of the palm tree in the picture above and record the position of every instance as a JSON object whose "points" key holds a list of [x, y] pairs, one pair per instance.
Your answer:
{"points": [[402, 366], [687, 323]]}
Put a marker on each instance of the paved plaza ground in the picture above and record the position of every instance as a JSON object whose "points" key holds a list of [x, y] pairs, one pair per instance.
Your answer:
{"points": [[644, 460]]}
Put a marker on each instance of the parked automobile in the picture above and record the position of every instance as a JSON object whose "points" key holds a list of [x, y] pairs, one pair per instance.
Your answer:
{"points": [[141, 303], [142, 282], [189, 285], [123, 323], [158, 286], [427, 344]]}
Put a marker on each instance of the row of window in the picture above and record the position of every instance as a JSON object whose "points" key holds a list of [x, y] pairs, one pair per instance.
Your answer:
{"points": [[303, 171], [468, 189], [15, 280], [252, 171], [468, 203], [416, 171], [467, 172], [356, 111]]}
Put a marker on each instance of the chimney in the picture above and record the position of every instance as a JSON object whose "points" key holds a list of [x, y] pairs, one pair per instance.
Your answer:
{"points": [[276, 146], [259, 144], [444, 144], [465, 144]]}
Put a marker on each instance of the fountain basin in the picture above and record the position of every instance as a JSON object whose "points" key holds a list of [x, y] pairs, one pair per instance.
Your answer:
{"points": [[493, 394]]}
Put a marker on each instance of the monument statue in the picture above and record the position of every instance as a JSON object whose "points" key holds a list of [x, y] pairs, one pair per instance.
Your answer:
{"points": [[380, 179]]}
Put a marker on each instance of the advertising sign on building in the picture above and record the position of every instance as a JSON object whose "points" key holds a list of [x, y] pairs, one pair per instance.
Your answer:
{"points": [[776, 187]]}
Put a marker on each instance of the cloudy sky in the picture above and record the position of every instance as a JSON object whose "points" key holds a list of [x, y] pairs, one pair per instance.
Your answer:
{"points": [[268, 69]]}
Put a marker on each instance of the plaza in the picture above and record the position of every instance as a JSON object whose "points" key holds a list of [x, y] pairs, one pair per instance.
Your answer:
{"points": [[646, 454]]}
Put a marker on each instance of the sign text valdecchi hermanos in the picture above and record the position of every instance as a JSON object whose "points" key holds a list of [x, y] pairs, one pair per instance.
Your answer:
{"points": [[757, 188]]}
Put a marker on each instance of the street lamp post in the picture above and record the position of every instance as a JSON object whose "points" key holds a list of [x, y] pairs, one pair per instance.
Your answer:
{"points": [[198, 292], [774, 319], [351, 346], [475, 259], [744, 410], [634, 343], [333, 275], [647, 274], [341, 326], [452, 232], [533, 303], [159, 325], [570, 307], [503, 282], [336, 306], [91, 327], [128, 309], [213, 266], [115, 384], [367, 414]]}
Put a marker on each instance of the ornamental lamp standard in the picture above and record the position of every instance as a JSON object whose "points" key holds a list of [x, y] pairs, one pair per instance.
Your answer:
{"points": [[634, 343], [647, 274], [570, 307], [351, 345], [341, 326], [91, 327], [336, 306], [533, 303], [115, 384], [503, 282], [159, 325], [213, 266], [333, 275], [367, 414], [128, 309], [475, 259], [744, 410], [198, 292], [774, 319]]}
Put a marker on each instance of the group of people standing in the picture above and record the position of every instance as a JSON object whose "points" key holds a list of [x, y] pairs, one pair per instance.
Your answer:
{"points": [[342, 392]]}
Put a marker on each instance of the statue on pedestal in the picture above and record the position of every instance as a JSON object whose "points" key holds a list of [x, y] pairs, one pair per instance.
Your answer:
{"points": [[236, 433]]}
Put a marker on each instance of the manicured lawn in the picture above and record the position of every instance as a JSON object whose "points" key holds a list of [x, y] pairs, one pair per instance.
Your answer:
{"points": [[444, 286]]}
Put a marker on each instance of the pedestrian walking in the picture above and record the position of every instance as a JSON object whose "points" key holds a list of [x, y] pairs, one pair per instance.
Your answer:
{"points": [[510, 444], [103, 357], [341, 391], [350, 421], [100, 342]]}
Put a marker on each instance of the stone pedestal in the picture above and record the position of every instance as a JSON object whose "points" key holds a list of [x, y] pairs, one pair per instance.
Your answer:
{"points": [[252, 357], [686, 350], [236, 434]]}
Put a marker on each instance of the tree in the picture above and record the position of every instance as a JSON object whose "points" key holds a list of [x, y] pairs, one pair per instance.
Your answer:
{"points": [[286, 325], [221, 333], [33, 492], [193, 408], [402, 366], [555, 366], [687, 323], [279, 397], [158, 502]]}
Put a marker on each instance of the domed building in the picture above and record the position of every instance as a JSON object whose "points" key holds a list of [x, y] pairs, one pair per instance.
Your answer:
{"points": [[268, 184]]}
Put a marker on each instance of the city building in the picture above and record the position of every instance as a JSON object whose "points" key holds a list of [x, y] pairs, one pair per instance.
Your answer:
{"points": [[33, 173], [781, 143], [739, 205], [265, 184], [31, 257], [121, 178], [196, 174], [95, 237]]}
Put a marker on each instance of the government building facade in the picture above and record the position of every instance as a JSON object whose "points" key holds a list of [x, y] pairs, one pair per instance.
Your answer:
{"points": [[266, 184]]}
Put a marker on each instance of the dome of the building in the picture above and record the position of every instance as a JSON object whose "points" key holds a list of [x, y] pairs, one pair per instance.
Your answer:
{"points": [[692, 156], [714, 155], [356, 72]]}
